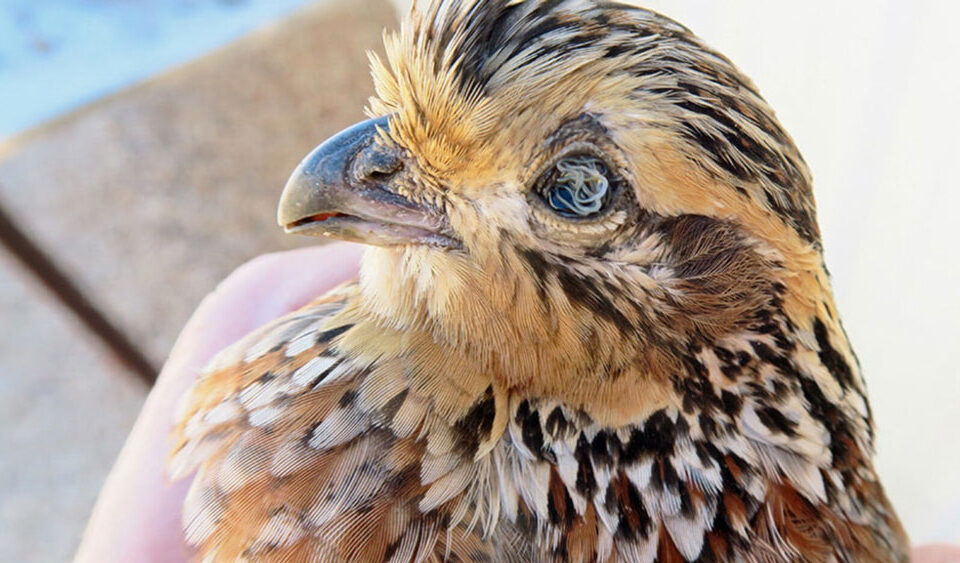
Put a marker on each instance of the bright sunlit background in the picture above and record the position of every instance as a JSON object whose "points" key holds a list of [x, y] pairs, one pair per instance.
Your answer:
{"points": [[868, 89]]}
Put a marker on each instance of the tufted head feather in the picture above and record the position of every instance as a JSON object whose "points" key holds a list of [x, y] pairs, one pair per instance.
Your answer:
{"points": [[485, 97], [705, 224], [479, 88]]}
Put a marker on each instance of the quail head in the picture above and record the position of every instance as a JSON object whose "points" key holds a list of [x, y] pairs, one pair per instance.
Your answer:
{"points": [[593, 323]]}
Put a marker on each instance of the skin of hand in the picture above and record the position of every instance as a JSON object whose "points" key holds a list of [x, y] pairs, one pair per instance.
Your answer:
{"points": [[137, 516]]}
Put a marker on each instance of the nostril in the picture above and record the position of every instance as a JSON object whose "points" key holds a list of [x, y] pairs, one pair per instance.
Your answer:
{"points": [[384, 173], [377, 163]]}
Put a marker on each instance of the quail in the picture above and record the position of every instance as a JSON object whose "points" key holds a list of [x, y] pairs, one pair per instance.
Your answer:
{"points": [[593, 322]]}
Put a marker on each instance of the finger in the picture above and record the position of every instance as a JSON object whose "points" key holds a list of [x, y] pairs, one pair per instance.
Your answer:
{"points": [[937, 554], [137, 516]]}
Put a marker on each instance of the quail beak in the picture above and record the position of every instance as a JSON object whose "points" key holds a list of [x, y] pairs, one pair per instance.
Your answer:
{"points": [[343, 190]]}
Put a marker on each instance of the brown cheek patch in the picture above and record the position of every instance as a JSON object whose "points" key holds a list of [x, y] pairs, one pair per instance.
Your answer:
{"points": [[673, 185], [718, 277]]}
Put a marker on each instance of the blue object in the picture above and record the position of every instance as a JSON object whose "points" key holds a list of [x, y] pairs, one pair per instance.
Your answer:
{"points": [[580, 187], [56, 55]]}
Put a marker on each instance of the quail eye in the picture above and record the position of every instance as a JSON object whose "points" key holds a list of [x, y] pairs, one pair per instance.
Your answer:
{"points": [[577, 186]]}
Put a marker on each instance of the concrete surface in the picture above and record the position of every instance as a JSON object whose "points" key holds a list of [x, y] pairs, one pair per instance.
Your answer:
{"points": [[148, 198], [65, 408], [152, 196]]}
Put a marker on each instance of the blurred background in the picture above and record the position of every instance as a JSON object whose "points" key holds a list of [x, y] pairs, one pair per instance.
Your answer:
{"points": [[143, 145]]}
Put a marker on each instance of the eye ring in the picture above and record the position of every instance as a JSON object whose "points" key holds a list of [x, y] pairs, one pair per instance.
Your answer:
{"points": [[577, 186]]}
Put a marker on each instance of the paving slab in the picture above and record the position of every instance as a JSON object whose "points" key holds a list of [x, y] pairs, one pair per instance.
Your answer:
{"points": [[65, 408], [149, 197]]}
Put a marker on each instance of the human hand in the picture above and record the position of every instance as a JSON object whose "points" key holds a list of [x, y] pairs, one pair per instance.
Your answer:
{"points": [[137, 517]]}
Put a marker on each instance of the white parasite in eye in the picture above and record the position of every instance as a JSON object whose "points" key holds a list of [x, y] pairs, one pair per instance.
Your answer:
{"points": [[578, 187]]}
